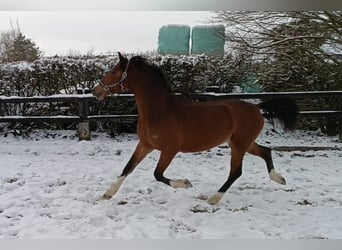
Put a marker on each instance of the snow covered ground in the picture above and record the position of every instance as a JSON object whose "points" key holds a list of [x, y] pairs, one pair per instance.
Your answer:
{"points": [[50, 183]]}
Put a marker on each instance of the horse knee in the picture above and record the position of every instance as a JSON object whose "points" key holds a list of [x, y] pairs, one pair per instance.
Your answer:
{"points": [[263, 152]]}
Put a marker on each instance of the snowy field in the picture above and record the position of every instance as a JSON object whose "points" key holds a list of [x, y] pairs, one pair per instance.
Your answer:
{"points": [[50, 183]]}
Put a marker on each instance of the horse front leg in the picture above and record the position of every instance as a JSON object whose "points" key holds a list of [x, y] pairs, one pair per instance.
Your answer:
{"points": [[235, 173], [139, 154], [164, 161]]}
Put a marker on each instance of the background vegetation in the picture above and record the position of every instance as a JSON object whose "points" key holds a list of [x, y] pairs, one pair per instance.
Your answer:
{"points": [[284, 51]]}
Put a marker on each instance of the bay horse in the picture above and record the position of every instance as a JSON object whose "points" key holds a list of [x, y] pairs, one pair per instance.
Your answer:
{"points": [[172, 124]]}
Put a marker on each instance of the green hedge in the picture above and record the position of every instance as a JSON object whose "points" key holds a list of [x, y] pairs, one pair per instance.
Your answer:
{"points": [[186, 74], [49, 76]]}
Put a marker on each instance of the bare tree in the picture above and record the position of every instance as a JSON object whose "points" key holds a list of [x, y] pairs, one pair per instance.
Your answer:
{"points": [[290, 51], [261, 33]]}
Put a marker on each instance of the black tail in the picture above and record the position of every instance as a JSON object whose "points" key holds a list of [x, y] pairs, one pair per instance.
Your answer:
{"points": [[282, 108]]}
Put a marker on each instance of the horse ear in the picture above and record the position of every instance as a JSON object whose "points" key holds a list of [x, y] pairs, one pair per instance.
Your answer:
{"points": [[123, 60], [120, 57]]}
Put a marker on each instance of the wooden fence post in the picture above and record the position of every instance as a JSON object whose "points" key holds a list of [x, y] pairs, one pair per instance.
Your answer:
{"points": [[340, 131], [83, 126]]}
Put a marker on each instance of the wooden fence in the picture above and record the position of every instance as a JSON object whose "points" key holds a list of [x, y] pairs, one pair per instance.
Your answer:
{"points": [[83, 117]]}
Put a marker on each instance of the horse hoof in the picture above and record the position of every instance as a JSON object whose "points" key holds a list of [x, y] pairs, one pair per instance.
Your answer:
{"points": [[214, 199], [180, 183], [106, 197], [282, 181], [277, 178], [187, 184]]}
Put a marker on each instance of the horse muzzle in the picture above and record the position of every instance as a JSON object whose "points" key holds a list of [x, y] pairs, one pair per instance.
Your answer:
{"points": [[99, 92]]}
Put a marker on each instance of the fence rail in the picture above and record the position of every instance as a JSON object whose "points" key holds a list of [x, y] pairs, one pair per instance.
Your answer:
{"points": [[84, 117]]}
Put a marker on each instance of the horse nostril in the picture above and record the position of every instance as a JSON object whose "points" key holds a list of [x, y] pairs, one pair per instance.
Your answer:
{"points": [[95, 94]]}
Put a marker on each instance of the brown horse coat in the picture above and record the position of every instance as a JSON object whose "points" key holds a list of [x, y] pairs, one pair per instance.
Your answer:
{"points": [[172, 124]]}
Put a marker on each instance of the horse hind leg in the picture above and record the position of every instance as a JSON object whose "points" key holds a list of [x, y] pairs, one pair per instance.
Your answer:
{"points": [[139, 154], [164, 161], [265, 153]]}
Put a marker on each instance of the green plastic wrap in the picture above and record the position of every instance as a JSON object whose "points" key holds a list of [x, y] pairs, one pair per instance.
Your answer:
{"points": [[174, 40], [208, 39]]}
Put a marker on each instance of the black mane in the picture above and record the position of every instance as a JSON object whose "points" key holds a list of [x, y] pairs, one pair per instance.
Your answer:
{"points": [[158, 75]]}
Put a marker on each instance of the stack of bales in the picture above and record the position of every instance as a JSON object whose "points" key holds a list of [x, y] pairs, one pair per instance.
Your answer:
{"points": [[204, 39], [174, 39], [208, 40]]}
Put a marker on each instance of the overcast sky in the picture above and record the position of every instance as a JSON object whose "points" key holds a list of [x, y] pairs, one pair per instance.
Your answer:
{"points": [[58, 32], [169, 5], [128, 4], [58, 26]]}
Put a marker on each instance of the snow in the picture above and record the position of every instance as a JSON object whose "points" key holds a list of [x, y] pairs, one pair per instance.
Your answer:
{"points": [[50, 183], [19, 66]]}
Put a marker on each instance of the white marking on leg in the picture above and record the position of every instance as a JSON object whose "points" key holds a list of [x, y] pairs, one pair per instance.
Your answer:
{"points": [[214, 199], [180, 183], [277, 177], [113, 188]]}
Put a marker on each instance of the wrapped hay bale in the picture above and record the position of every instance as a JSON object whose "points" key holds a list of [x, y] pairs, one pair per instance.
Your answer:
{"points": [[174, 40], [208, 39]]}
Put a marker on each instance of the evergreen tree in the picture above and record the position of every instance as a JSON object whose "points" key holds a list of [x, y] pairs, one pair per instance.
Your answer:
{"points": [[15, 46]]}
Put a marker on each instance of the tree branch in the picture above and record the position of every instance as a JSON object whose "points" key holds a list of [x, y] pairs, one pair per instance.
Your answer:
{"points": [[283, 41]]}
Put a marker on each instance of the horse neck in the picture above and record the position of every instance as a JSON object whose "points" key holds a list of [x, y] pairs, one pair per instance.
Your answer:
{"points": [[151, 98]]}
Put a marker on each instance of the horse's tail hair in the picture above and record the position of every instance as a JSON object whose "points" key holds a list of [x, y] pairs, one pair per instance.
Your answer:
{"points": [[282, 108]]}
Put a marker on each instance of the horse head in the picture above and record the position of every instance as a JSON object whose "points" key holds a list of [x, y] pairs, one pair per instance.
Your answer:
{"points": [[114, 81]]}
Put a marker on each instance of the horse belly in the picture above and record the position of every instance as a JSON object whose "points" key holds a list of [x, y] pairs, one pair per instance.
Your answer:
{"points": [[207, 134]]}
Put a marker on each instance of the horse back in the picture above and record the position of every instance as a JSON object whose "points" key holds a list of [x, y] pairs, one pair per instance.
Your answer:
{"points": [[208, 124]]}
